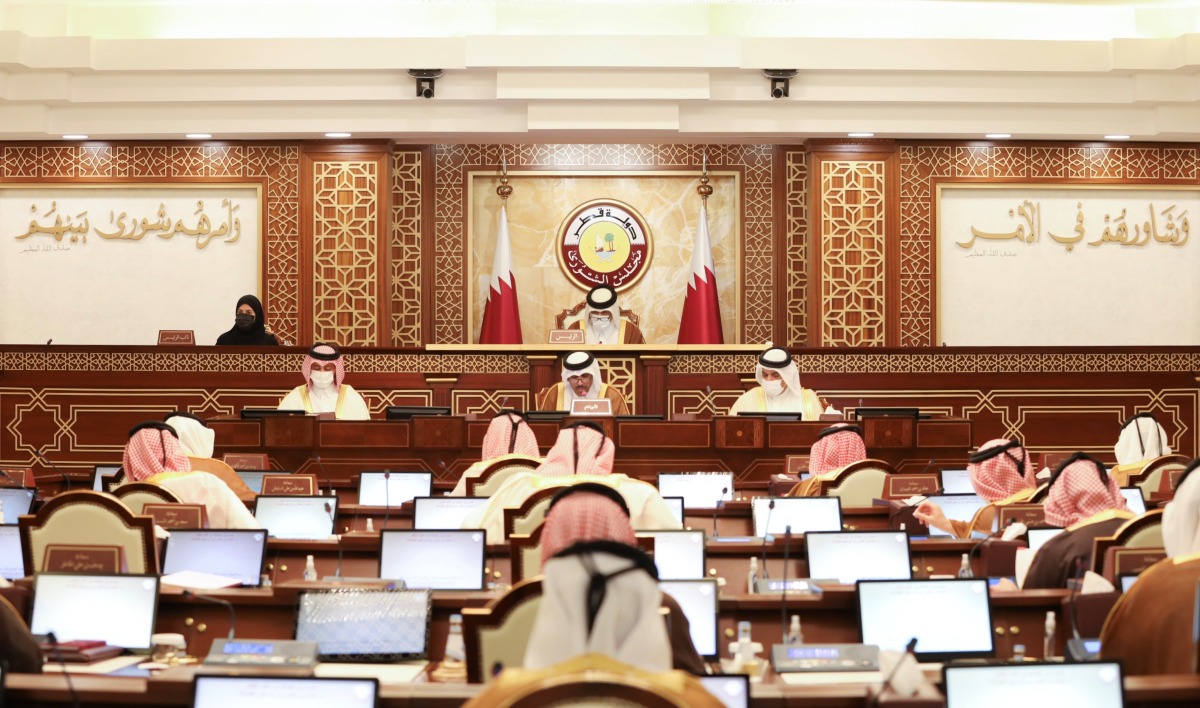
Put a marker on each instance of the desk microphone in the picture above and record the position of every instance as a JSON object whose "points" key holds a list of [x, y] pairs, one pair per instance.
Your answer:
{"points": [[217, 601], [909, 648], [66, 479], [337, 575], [4, 473], [66, 674], [48, 342], [328, 481], [331, 509], [766, 535], [720, 503], [787, 547], [387, 500]]}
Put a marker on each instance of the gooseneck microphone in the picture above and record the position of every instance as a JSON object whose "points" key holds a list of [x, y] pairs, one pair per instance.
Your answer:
{"points": [[328, 481], [909, 648], [217, 601], [66, 479], [720, 503], [762, 563], [787, 547], [66, 674], [387, 499]]}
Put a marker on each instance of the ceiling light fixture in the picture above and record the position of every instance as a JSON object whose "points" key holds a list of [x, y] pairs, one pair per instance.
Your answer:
{"points": [[998, 136], [199, 136], [1116, 137], [337, 135], [860, 135], [74, 136]]}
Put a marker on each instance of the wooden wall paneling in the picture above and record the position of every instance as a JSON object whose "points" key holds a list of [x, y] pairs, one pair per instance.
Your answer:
{"points": [[794, 227], [406, 267]]}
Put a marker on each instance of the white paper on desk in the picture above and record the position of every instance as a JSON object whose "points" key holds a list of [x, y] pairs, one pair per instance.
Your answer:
{"points": [[106, 666], [405, 672], [1023, 560], [818, 678], [1094, 583], [199, 580]]}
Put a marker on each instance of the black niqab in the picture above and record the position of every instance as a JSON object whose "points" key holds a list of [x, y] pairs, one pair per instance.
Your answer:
{"points": [[257, 335]]}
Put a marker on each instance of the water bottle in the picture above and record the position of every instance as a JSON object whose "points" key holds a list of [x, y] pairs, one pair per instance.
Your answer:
{"points": [[795, 636], [964, 570], [310, 569], [1051, 630], [455, 649]]}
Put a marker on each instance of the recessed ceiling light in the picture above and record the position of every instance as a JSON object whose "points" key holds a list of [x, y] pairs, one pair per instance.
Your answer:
{"points": [[199, 136], [860, 135], [337, 135], [73, 136], [1116, 137], [998, 136]]}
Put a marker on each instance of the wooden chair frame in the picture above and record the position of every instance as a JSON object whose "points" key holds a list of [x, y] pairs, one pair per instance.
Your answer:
{"points": [[589, 685], [1121, 537], [29, 522], [825, 486], [512, 515], [161, 493], [494, 615], [494, 468]]}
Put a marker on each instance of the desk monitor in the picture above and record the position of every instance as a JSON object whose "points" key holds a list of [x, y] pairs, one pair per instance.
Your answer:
{"points": [[1134, 499], [254, 478], [886, 412], [12, 562], [698, 599], [546, 416], [850, 556], [99, 472], [249, 413], [116, 609], [956, 482], [803, 514], [1126, 581], [1038, 537], [441, 513], [434, 560], [676, 505], [678, 555], [365, 625], [958, 507], [950, 619], [16, 502], [776, 417], [409, 412], [386, 488], [297, 517], [732, 690], [640, 416], [230, 553], [284, 692], [1095, 684], [700, 490]]}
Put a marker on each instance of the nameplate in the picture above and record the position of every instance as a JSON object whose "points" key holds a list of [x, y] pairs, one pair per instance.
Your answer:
{"points": [[566, 336], [65, 558], [1173, 477], [591, 406], [1132, 561], [246, 460], [795, 464], [903, 486], [16, 477], [294, 485], [177, 337], [1032, 515], [177, 516]]}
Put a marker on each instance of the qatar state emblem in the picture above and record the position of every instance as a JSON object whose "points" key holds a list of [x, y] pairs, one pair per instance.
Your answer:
{"points": [[604, 242]]}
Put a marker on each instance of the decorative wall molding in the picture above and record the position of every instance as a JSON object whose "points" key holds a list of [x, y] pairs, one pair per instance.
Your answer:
{"points": [[405, 244]]}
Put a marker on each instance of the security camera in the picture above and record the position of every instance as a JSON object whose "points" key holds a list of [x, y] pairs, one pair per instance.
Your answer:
{"points": [[425, 79], [780, 81]]}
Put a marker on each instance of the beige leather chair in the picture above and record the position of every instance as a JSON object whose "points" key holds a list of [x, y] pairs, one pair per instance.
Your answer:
{"points": [[1143, 533], [495, 474], [1151, 477], [530, 515], [857, 484], [136, 495], [495, 637], [88, 518], [526, 554]]}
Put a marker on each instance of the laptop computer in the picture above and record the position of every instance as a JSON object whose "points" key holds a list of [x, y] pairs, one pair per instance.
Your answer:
{"points": [[386, 488], [958, 507], [16, 501], [678, 555], [230, 553], [698, 600], [284, 692], [297, 517], [956, 482], [803, 514], [1038, 537], [676, 506], [850, 556], [1094, 684], [732, 690], [434, 513], [252, 413], [950, 619], [407, 412], [99, 472], [700, 490], [434, 560], [1126, 581], [366, 625], [116, 609], [254, 478], [12, 562], [1134, 499]]}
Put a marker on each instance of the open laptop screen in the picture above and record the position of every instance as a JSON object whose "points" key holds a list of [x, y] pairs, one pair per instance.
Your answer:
{"points": [[434, 513], [957, 507], [116, 609], [803, 514], [950, 619], [957, 482], [285, 692], [16, 501], [254, 478], [700, 490], [297, 517], [1092, 684], [678, 555], [12, 563], [732, 690], [676, 506], [698, 599], [229, 553], [1134, 499], [100, 472], [366, 625], [850, 556], [392, 488], [437, 560], [1038, 537]]}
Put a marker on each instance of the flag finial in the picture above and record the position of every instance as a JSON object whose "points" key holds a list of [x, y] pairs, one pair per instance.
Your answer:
{"points": [[705, 190], [505, 189]]}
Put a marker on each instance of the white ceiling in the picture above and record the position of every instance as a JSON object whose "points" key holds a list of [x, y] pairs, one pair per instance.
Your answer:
{"points": [[518, 71]]}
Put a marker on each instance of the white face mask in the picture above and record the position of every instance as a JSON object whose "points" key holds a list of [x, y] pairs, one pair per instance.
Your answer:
{"points": [[773, 388], [322, 379]]}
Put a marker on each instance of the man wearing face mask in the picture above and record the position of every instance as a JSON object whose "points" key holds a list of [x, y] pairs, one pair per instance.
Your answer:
{"points": [[324, 391], [602, 322], [580, 379], [778, 389], [250, 326]]}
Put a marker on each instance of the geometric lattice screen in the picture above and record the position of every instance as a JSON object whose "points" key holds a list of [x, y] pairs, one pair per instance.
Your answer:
{"points": [[852, 253], [345, 252]]}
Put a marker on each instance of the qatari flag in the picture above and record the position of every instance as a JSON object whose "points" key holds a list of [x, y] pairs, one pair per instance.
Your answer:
{"points": [[501, 316], [701, 320]]}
